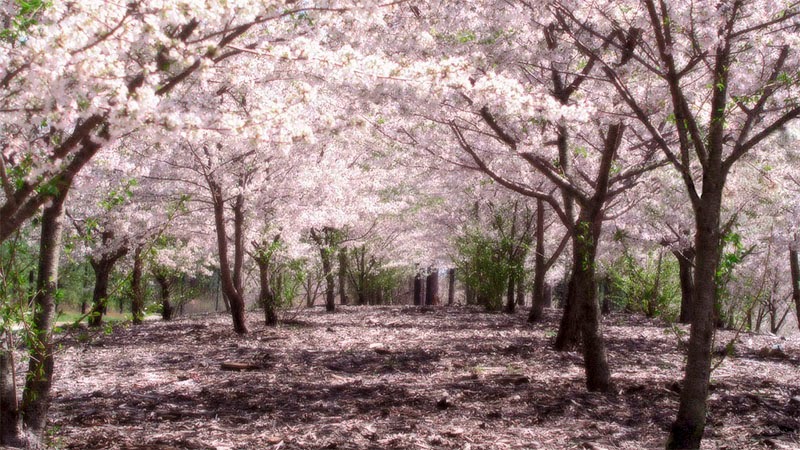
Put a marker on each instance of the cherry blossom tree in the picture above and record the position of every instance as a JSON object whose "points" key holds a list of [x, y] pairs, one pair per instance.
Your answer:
{"points": [[727, 69], [101, 82], [526, 125], [102, 225], [77, 76]]}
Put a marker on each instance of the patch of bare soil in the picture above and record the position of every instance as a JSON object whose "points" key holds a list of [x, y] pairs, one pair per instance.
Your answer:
{"points": [[403, 377]]}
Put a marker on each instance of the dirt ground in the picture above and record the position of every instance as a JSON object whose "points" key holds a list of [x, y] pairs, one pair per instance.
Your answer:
{"points": [[404, 377]]}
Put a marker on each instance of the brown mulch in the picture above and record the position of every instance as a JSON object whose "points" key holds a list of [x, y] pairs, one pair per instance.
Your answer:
{"points": [[404, 377]]}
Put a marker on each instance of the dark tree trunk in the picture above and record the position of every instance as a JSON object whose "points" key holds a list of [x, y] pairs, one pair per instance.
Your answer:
{"points": [[432, 288], [521, 289], [36, 395], [230, 279], [266, 294], [451, 286], [362, 297], [569, 330], [418, 289], [311, 294], [137, 290], [794, 266], [584, 292], [102, 273], [548, 296], [86, 278], [602, 289], [685, 259], [225, 303], [470, 296], [511, 299], [9, 409], [582, 302], [343, 276], [103, 267], [542, 294], [165, 283], [326, 241], [687, 430], [269, 282], [539, 268], [330, 283], [236, 301]]}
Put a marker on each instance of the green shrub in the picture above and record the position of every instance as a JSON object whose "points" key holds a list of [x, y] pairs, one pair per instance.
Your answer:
{"points": [[484, 266], [651, 287]]}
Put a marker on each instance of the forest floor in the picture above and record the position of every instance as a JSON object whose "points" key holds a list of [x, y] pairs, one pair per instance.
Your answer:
{"points": [[406, 377]]}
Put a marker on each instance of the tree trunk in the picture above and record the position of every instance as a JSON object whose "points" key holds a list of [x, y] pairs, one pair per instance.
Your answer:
{"points": [[310, 295], [602, 291], [520, 294], [794, 266], [137, 290], [9, 409], [343, 276], [418, 289], [687, 430], [237, 303], [432, 288], [583, 291], [652, 303], [582, 296], [686, 267], [36, 395], [266, 295], [451, 286], [511, 299], [165, 284], [539, 268], [330, 283], [470, 296], [102, 274], [230, 282], [569, 330], [326, 241]]}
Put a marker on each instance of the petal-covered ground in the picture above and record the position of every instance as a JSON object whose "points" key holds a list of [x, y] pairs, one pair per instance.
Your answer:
{"points": [[403, 377]]}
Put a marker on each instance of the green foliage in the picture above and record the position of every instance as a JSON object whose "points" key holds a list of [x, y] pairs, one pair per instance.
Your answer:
{"points": [[371, 280], [469, 36], [490, 258], [583, 233], [733, 255], [465, 36], [287, 275], [17, 281], [300, 18], [388, 280], [75, 283], [19, 172], [651, 287], [27, 12], [292, 274], [729, 310], [119, 196], [483, 265]]}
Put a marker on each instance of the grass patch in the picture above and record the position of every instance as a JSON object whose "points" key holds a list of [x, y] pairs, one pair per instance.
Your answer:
{"points": [[71, 317]]}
